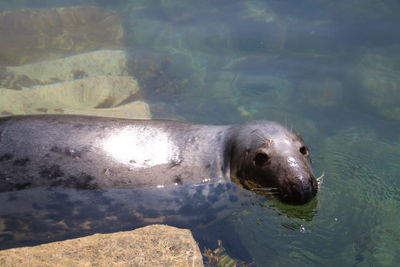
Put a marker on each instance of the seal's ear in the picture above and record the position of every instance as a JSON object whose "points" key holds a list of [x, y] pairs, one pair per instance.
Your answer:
{"points": [[260, 159]]}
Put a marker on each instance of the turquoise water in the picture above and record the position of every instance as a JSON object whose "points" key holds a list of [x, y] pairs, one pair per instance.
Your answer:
{"points": [[329, 69]]}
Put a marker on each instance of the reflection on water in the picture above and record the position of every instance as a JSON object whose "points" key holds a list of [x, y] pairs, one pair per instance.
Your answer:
{"points": [[329, 69], [44, 215]]}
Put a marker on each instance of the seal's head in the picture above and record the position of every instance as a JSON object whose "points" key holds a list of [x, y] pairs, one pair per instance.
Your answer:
{"points": [[266, 156]]}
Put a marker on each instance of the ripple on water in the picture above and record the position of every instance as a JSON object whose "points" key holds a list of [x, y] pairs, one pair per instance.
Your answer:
{"points": [[364, 195], [354, 219]]}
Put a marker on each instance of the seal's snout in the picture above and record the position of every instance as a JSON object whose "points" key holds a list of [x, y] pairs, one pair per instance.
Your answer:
{"points": [[300, 190]]}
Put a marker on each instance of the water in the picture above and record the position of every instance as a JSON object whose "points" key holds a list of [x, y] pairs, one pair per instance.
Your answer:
{"points": [[329, 69]]}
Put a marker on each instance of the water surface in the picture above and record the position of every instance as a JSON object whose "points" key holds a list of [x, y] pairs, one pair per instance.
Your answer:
{"points": [[329, 69]]}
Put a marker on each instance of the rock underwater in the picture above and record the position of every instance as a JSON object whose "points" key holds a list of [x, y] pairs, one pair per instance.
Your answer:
{"points": [[31, 35]]}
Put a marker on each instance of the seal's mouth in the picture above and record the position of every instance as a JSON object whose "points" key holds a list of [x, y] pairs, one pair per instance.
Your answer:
{"points": [[295, 193], [295, 197], [270, 192]]}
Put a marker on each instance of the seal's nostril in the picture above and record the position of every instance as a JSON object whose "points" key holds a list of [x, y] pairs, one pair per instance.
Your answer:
{"points": [[300, 190], [314, 185]]}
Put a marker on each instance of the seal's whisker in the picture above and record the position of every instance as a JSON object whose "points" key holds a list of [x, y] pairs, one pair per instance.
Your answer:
{"points": [[266, 189], [320, 179]]}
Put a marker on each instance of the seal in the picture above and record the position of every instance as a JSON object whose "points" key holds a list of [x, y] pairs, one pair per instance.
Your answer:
{"points": [[85, 152]]}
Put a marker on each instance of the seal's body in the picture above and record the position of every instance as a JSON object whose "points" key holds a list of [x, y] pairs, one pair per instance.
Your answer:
{"points": [[103, 153]]}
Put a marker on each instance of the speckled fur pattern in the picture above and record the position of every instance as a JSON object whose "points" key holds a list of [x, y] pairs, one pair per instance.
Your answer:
{"points": [[103, 153], [68, 151]]}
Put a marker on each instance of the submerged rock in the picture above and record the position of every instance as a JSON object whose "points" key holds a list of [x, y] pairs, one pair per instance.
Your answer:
{"points": [[219, 257], [155, 245], [102, 62], [380, 77], [324, 92], [90, 96], [98, 91], [271, 89], [31, 35], [133, 110]]}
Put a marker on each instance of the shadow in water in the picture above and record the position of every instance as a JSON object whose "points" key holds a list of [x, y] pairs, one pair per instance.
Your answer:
{"points": [[36, 216]]}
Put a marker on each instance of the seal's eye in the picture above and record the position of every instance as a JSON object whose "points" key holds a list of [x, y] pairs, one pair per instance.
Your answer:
{"points": [[303, 150], [260, 159]]}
